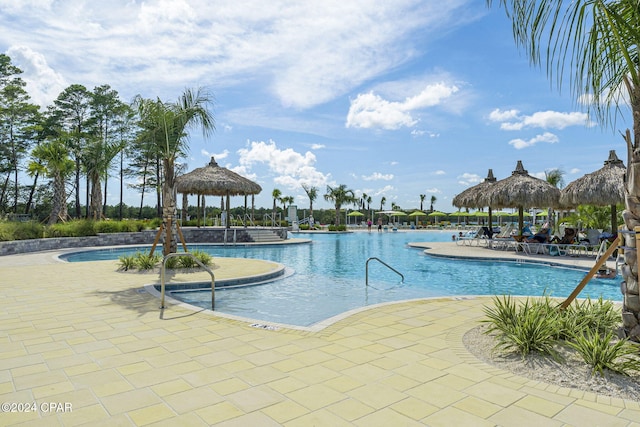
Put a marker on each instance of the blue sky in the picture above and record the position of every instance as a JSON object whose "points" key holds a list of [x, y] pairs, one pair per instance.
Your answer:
{"points": [[393, 99]]}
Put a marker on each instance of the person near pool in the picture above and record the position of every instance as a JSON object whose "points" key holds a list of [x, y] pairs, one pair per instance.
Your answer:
{"points": [[379, 223], [541, 236], [369, 224]]}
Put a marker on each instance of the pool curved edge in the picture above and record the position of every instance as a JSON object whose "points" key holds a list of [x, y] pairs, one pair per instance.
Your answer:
{"points": [[319, 326]]}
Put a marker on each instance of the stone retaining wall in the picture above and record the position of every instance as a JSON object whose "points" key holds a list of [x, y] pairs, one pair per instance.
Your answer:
{"points": [[191, 235]]}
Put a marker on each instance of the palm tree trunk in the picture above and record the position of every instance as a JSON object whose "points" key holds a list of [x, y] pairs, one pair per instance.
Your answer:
{"points": [[96, 199], [169, 209], [631, 215], [31, 193], [58, 203]]}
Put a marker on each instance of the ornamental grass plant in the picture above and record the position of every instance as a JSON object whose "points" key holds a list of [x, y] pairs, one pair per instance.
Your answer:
{"points": [[537, 325]]}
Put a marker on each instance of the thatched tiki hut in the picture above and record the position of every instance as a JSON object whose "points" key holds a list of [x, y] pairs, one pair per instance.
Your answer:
{"points": [[603, 187], [476, 196], [213, 180], [521, 190]]}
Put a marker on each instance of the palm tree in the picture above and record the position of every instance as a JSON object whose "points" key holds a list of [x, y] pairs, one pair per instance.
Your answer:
{"points": [[382, 202], [96, 159], [597, 42], [286, 200], [433, 201], [312, 194], [166, 126], [554, 177], [340, 195], [422, 197], [276, 196], [369, 199], [52, 160]]}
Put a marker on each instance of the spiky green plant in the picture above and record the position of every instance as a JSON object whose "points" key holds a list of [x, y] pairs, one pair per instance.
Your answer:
{"points": [[601, 352], [145, 261], [531, 326], [203, 257], [599, 316], [127, 262]]}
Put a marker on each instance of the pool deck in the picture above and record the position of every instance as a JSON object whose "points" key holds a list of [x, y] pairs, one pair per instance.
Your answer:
{"points": [[91, 341]]}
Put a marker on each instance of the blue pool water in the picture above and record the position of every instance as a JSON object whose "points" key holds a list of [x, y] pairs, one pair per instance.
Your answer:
{"points": [[330, 276]]}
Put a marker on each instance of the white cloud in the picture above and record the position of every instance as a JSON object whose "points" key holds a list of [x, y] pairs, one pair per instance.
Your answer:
{"points": [[548, 137], [317, 146], [432, 191], [377, 176], [304, 54], [574, 171], [468, 179], [372, 111], [43, 83], [291, 168], [217, 156], [512, 119], [439, 172], [498, 115]]}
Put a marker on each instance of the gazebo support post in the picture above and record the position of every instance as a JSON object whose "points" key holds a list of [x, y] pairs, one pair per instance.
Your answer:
{"points": [[228, 217]]}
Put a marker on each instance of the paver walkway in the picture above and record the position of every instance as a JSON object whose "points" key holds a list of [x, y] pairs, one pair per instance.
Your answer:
{"points": [[89, 346]]}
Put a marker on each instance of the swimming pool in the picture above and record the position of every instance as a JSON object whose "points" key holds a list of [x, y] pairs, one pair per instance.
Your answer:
{"points": [[329, 277]]}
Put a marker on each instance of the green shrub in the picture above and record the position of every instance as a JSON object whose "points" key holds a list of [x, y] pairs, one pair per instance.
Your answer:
{"points": [[127, 262], [76, 228], [108, 227], [599, 353], [530, 327], [171, 263], [187, 262], [586, 326], [600, 316], [145, 261], [20, 230], [203, 257]]}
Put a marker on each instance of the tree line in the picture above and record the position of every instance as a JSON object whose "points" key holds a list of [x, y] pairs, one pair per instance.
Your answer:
{"points": [[84, 137]]}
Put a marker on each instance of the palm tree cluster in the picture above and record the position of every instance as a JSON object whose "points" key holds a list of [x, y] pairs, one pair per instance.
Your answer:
{"points": [[85, 137]]}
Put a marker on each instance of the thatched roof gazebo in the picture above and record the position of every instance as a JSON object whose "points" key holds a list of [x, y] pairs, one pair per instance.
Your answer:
{"points": [[603, 187], [214, 180], [476, 196], [522, 190]]}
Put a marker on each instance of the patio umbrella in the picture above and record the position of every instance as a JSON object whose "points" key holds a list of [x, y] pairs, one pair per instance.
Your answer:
{"points": [[522, 190], [436, 215], [460, 214], [416, 214], [601, 188], [355, 214], [213, 180], [474, 197]]}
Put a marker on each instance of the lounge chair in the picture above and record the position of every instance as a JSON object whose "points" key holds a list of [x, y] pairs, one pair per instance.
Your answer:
{"points": [[503, 239], [474, 237]]}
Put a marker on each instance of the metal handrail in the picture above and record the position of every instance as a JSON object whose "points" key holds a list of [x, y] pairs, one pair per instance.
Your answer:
{"points": [[162, 277], [383, 263]]}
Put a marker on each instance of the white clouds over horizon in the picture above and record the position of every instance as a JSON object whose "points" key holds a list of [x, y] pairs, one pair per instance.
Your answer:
{"points": [[370, 110], [290, 168]]}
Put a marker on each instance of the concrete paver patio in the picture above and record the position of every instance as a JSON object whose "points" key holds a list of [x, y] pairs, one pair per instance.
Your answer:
{"points": [[89, 346]]}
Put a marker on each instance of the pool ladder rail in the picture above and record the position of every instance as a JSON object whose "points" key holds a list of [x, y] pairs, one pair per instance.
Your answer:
{"points": [[162, 276], [381, 262]]}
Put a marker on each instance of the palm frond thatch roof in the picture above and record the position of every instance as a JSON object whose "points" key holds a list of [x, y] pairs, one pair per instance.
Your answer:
{"points": [[476, 196], [521, 190], [602, 188], [214, 180]]}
